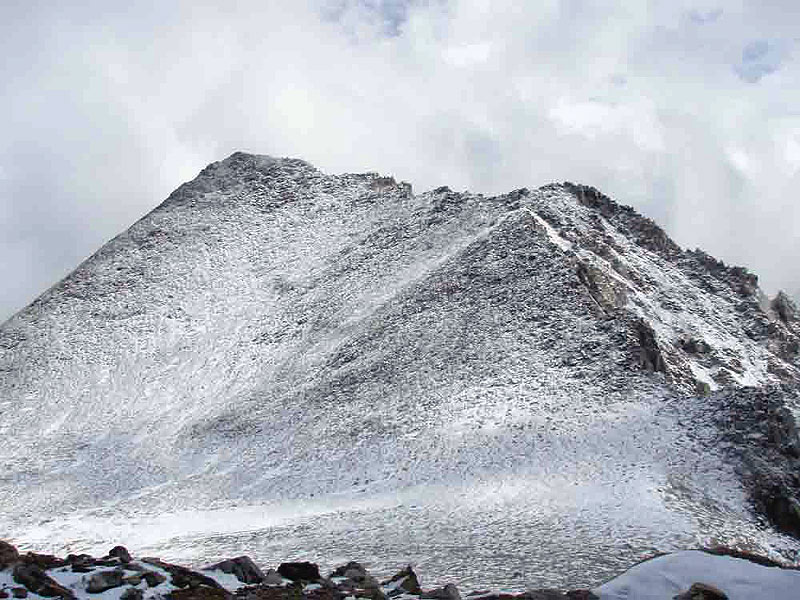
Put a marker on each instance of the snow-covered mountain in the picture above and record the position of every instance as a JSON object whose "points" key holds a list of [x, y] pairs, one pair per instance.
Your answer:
{"points": [[298, 363]]}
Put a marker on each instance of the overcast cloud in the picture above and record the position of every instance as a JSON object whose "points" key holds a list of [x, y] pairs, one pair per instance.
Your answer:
{"points": [[689, 111]]}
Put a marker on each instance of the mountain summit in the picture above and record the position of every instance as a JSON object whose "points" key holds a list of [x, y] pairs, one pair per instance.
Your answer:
{"points": [[282, 359]]}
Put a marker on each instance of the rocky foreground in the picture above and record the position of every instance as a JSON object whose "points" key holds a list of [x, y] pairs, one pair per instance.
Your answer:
{"points": [[119, 576]]}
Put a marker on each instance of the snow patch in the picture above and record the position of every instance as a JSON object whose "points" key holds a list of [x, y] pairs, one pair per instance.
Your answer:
{"points": [[666, 576]]}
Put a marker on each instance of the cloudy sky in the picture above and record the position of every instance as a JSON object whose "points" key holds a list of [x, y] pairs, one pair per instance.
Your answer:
{"points": [[687, 110]]}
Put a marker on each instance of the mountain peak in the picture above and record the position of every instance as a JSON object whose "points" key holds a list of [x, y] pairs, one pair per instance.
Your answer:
{"points": [[275, 336]]}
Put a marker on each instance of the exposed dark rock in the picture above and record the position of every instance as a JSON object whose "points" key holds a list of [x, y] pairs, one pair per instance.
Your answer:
{"points": [[643, 230], [356, 575], [761, 433], [200, 593], [581, 595], [43, 561], [181, 576], [81, 563], [133, 579], [650, 358], [543, 594], [19, 592], [781, 508], [264, 592], [702, 591], [782, 430], [4, 593], [300, 571], [153, 579], [132, 594], [352, 566], [695, 346], [784, 308], [406, 581], [8, 555], [121, 553], [242, 567], [104, 580], [448, 592], [39, 582]]}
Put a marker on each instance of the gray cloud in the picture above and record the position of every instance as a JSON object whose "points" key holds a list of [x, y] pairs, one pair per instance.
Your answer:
{"points": [[684, 110]]}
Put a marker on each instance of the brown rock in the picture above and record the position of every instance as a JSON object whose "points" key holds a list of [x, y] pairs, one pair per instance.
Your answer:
{"points": [[37, 581], [300, 571], [132, 594], [181, 576], [121, 553], [702, 591], [43, 561], [406, 581], [200, 593], [8, 555], [448, 592], [153, 579], [242, 567], [581, 595], [104, 580]]}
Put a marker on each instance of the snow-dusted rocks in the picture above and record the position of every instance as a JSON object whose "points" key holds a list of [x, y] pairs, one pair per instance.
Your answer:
{"points": [[131, 581], [277, 360], [241, 567]]}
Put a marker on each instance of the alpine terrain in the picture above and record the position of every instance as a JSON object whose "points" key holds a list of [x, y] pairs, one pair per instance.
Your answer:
{"points": [[529, 390]]}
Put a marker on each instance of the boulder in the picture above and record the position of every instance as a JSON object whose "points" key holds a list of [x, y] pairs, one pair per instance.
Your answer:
{"points": [[784, 308], [104, 580], [3, 593], [356, 575], [242, 567], [81, 563], [132, 594], [153, 579], [544, 594], [18, 592], [273, 578], [121, 553], [39, 582], [448, 592], [581, 595], [8, 555], [300, 571], [405, 582], [702, 591], [200, 593], [43, 561], [181, 576], [342, 570]]}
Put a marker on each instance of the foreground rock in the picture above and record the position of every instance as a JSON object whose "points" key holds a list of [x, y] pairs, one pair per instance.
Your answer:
{"points": [[715, 574], [242, 567]]}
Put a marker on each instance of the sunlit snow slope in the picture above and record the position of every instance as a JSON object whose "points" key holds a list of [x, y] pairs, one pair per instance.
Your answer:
{"points": [[301, 364]]}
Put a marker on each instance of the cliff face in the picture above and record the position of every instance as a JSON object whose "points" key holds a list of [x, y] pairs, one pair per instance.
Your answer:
{"points": [[466, 371]]}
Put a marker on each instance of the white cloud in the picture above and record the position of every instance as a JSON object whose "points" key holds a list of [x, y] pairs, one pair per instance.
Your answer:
{"points": [[672, 107]]}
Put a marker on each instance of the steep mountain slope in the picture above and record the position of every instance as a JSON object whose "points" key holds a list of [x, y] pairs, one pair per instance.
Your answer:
{"points": [[333, 362]]}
